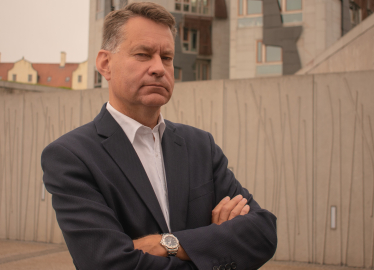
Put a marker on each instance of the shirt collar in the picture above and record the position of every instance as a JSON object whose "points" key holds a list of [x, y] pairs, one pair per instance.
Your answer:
{"points": [[131, 126]]}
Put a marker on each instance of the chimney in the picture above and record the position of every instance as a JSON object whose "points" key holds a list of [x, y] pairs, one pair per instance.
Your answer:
{"points": [[63, 59]]}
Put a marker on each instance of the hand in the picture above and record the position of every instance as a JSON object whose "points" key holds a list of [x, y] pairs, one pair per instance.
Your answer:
{"points": [[151, 244], [228, 209]]}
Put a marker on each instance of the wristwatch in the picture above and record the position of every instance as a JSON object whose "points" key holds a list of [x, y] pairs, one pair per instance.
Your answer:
{"points": [[170, 243]]}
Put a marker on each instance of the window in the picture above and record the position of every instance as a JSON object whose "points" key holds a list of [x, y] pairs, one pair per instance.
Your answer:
{"points": [[269, 59], [250, 13], [1, 78], [67, 79], [29, 78], [97, 82], [49, 79], [355, 12], [189, 40], [193, 6], [250, 7], [14, 77], [177, 74], [202, 70], [79, 78], [291, 10]]}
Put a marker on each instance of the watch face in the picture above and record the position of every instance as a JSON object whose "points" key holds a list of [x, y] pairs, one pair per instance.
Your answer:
{"points": [[171, 241]]}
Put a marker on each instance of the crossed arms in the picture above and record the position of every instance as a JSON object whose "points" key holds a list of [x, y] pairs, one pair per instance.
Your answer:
{"points": [[100, 223]]}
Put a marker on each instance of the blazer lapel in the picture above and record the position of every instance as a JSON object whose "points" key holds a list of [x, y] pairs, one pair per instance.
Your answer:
{"points": [[123, 153], [177, 177]]}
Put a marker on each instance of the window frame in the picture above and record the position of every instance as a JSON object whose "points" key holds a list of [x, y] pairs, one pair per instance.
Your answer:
{"points": [[199, 69], [14, 77], [80, 78], [189, 40], [29, 78], [200, 8], [263, 54], [245, 9], [283, 10]]}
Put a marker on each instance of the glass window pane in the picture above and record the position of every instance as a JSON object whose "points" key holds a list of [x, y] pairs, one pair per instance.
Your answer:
{"points": [[290, 18], [185, 33], [178, 6], [240, 7], [250, 21], [280, 4], [205, 72], [293, 5], [194, 6], [254, 7], [185, 46], [273, 54], [259, 51], [194, 40], [269, 70], [186, 7]]}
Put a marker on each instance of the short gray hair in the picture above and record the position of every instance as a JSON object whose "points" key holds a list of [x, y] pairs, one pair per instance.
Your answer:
{"points": [[115, 20]]}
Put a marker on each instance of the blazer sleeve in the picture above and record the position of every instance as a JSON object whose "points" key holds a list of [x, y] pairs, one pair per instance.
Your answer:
{"points": [[93, 234], [245, 242]]}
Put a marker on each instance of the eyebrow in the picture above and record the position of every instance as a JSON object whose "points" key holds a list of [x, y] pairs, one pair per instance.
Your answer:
{"points": [[150, 50]]}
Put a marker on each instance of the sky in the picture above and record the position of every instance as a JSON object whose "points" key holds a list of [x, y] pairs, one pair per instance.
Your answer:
{"points": [[39, 30]]}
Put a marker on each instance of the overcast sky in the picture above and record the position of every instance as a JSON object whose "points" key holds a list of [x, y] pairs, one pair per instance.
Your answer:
{"points": [[40, 29]]}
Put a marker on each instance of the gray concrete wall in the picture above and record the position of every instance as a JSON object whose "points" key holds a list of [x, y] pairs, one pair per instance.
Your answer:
{"points": [[300, 144]]}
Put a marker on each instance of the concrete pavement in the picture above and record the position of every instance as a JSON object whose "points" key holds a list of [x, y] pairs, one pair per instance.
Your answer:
{"points": [[17, 255]]}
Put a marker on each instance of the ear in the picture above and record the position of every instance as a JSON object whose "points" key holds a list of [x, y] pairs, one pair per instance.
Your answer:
{"points": [[103, 64]]}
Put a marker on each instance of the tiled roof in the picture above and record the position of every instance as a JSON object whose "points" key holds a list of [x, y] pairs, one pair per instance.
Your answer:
{"points": [[4, 68], [57, 74]]}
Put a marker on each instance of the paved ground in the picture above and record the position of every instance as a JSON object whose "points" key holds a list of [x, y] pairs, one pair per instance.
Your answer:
{"points": [[16, 255]]}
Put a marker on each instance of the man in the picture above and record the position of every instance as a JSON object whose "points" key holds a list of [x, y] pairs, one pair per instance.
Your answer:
{"points": [[121, 182]]}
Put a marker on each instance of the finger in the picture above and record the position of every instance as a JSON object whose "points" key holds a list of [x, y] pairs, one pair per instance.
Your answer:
{"points": [[216, 211], [245, 210], [228, 207], [237, 209]]}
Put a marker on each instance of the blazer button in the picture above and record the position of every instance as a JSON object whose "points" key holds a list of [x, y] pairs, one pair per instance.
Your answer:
{"points": [[221, 267], [215, 268], [233, 265], [228, 266]]}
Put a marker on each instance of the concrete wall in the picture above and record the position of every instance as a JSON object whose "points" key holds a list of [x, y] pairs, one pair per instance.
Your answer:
{"points": [[300, 144], [353, 52]]}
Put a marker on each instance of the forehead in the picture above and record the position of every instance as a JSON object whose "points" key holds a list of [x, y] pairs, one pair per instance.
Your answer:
{"points": [[143, 31]]}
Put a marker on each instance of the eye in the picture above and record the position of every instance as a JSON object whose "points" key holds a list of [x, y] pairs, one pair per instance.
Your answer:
{"points": [[166, 58], [142, 56]]}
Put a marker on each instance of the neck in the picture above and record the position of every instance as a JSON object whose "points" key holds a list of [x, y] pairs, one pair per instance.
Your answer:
{"points": [[146, 116]]}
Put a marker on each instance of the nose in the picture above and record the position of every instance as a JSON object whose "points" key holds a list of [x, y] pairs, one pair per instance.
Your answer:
{"points": [[157, 67]]}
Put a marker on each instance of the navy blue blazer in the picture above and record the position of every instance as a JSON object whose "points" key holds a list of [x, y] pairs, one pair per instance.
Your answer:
{"points": [[103, 200]]}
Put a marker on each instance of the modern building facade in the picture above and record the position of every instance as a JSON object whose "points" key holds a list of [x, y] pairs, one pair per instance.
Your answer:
{"points": [[222, 39]]}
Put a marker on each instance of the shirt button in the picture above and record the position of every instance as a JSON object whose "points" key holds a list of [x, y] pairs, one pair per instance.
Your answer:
{"points": [[221, 267], [228, 266], [215, 268], [233, 265]]}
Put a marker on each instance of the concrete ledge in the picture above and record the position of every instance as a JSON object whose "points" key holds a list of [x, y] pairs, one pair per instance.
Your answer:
{"points": [[30, 87]]}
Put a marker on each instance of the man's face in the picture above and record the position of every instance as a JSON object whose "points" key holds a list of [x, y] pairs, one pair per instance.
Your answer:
{"points": [[142, 71]]}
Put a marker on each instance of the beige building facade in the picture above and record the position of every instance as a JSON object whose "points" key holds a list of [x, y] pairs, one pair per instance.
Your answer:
{"points": [[79, 77], [23, 72]]}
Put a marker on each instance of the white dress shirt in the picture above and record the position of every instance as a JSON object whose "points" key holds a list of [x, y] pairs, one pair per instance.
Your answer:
{"points": [[147, 144]]}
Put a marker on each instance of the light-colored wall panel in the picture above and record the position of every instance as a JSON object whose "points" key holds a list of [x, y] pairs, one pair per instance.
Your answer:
{"points": [[300, 144]]}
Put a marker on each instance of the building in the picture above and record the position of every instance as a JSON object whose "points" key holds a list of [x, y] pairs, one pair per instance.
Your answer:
{"points": [[221, 39], [66, 75]]}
